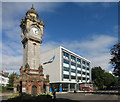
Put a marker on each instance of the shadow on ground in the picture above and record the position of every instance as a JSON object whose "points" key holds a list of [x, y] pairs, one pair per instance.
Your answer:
{"points": [[58, 100]]}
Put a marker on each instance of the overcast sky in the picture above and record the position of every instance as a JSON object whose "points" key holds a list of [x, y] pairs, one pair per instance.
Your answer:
{"points": [[87, 29]]}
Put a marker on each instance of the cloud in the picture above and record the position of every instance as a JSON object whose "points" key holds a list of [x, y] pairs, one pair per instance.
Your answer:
{"points": [[11, 63], [13, 12], [96, 49]]}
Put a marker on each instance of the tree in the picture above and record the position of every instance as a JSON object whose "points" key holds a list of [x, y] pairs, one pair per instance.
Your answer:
{"points": [[101, 78], [97, 76], [11, 79], [115, 60], [109, 80]]}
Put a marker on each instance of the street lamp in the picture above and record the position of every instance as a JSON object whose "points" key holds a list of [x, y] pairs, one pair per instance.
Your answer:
{"points": [[77, 84]]}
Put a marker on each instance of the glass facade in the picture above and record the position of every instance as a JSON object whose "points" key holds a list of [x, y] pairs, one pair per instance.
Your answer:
{"points": [[66, 69], [73, 70]]}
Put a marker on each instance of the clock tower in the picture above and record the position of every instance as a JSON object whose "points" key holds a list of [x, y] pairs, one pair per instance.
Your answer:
{"points": [[31, 33], [31, 79]]}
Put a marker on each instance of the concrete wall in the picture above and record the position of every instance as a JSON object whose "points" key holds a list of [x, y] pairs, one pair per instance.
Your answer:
{"points": [[53, 69], [31, 54]]}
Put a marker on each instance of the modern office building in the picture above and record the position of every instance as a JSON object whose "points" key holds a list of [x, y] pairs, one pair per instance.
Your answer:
{"points": [[68, 70]]}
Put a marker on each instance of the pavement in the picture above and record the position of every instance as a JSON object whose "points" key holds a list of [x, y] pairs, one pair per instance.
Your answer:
{"points": [[77, 97], [4, 96], [87, 96]]}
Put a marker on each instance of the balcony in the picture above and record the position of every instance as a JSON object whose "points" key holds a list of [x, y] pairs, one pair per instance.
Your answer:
{"points": [[83, 70], [73, 67], [65, 65], [83, 75], [73, 74], [65, 79], [78, 74], [65, 57], [65, 72], [73, 80], [88, 76], [78, 68], [83, 81], [87, 71]]}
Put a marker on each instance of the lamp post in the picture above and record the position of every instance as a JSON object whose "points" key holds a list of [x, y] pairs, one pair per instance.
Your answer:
{"points": [[77, 85]]}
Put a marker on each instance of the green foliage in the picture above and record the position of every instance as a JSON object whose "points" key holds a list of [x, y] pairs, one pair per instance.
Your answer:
{"points": [[5, 89], [11, 79], [45, 94], [30, 98], [115, 60], [103, 79], [13, 96]]}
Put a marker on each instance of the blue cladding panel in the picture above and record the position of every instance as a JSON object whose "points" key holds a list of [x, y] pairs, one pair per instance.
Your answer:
{"points": [[66, 61], [50, 90], [60, 89], [65, 54]]}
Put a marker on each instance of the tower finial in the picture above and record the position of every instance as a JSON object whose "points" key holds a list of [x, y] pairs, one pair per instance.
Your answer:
{"points": [[32, 6]]}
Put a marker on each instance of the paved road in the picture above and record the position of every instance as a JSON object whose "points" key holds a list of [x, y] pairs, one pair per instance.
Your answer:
{"points": [[82, 96], [79, 97], [4, 96]]}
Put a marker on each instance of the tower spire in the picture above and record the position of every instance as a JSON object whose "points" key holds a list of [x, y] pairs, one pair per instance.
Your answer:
{"points": [[32, 6]]}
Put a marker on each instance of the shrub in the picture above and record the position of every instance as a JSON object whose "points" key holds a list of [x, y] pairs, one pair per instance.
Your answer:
{"points": [[13, 96], [28, 97]]}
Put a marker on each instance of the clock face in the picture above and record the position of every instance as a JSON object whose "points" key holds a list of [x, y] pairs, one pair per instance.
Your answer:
{"points": [[35, 30]]}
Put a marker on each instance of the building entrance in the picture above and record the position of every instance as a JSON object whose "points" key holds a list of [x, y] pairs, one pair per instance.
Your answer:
{"points": [[34, 90]]}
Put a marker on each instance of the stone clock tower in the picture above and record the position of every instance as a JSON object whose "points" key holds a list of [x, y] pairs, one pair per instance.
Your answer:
{"points": [[32, 32], [31, 79]]}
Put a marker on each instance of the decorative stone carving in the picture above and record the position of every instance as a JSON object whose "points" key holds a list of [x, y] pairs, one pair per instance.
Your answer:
{"points": [[40, 69], [27, 68]]}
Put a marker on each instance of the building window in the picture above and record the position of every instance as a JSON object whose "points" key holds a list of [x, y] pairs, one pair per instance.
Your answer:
{"points": [[87, 78], [83, 73], [73, 64], [66, 55], [73, 77], [78, 65], [79, 78], [73, 70], [66, 76], [87, 73], [87, 68], [83, 78], [83, 67], [78, 71], [66, 61], [87, 64], [83, 62], [78, 60], [73, 58], [66, 69]]}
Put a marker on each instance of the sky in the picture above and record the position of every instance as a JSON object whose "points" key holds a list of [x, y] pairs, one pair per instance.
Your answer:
{"points": [[88, 29]]}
